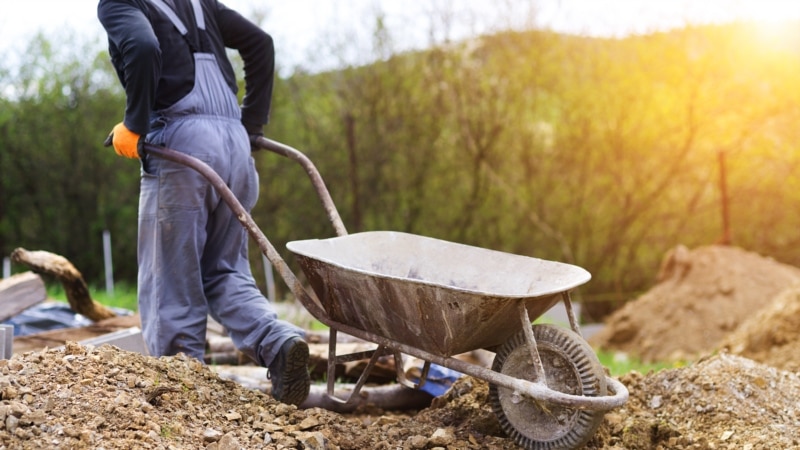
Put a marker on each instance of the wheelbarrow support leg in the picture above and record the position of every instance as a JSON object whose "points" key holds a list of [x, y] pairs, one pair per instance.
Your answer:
{"points": [[526, 328], [333, 360], [401, 374], [573, 322]]}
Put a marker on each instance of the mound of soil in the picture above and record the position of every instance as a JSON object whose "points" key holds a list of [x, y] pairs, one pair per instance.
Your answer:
{"points": [[772, 335], [84, 397], [700, 297], [724, 402]]}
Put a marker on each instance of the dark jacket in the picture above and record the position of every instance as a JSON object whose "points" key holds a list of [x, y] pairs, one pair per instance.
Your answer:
{"points": [[156, 66]]}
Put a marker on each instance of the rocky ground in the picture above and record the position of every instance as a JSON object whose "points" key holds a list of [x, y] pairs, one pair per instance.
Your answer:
{"points": [[106, 398], [741, 394]]}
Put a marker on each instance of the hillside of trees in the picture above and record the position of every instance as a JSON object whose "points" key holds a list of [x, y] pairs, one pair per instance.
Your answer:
{"points": [[603, 153]]}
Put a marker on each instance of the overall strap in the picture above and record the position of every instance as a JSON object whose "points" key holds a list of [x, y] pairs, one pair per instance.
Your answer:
{"points": [[198, 14], [178, 23]]}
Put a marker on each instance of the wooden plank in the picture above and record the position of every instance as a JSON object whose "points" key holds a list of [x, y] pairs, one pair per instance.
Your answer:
{"points": [[129, 339], [59, 337], [19, 292]]}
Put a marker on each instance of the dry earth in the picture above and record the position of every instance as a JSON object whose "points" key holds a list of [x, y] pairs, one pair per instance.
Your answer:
{"points": [[105, 398], [771, 335], [701, 296]]}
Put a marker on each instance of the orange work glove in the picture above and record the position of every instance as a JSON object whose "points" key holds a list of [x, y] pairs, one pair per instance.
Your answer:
{"points": [[125, 141]]}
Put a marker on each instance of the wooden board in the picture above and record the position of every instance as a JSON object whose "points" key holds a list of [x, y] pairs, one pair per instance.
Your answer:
{"points": [[19, 292], [57, 338]]}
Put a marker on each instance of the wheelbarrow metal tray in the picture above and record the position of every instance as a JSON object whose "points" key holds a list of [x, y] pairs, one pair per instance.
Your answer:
{"points": [[441, 297]]}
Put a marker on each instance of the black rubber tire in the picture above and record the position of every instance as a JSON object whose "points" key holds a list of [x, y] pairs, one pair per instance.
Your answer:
{"points": [[571, 367]]}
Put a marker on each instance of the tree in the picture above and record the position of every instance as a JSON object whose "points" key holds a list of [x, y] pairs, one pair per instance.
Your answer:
{"points": [[60, 188]]}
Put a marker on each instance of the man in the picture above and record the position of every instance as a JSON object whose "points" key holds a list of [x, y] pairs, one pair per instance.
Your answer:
{"points": [[181, 93]]}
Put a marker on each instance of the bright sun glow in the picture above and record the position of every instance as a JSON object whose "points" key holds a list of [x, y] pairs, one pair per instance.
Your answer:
{"points": [[778, 35]]}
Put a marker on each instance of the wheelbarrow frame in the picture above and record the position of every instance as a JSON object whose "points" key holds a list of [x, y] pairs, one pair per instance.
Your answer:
{"points": [[536, 390]]}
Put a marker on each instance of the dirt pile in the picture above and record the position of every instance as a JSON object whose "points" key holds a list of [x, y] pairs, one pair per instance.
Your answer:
{"points": [[82, 397], [701, 296], [724, 402], [772, 335]]}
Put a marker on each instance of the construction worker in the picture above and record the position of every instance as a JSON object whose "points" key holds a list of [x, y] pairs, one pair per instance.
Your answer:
{"points": [[192, 251]]}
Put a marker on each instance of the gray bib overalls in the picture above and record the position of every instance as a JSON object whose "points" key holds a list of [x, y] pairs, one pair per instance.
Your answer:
{"points": [[192, 249]]}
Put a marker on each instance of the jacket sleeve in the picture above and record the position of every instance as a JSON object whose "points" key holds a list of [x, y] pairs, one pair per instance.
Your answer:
{"points": [[136, 56], [257, 50]]}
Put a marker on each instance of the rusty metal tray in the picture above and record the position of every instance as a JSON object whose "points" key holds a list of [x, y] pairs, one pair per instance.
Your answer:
{"points": [[443, 297]]}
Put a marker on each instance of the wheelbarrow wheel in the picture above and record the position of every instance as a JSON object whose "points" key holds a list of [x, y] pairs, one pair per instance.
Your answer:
{"points": [[571, 367]]}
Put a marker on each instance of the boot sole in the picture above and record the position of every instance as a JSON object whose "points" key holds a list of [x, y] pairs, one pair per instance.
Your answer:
{"points": [[296, 381]]}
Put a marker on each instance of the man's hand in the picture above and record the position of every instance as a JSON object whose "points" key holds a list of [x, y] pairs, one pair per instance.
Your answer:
{"points": [[254, 145], [125, 141]]}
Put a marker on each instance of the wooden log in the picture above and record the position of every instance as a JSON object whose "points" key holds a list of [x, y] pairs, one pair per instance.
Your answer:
{"points": [[392, 397], [75, 287], [219, 344], [19, 292], [323, 337], [220, 350]]}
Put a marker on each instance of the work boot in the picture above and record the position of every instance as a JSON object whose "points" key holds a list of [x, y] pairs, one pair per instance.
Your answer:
{"points": [[289, 372]]}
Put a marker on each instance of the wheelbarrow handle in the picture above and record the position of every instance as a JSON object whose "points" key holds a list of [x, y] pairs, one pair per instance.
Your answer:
{"points": [[260, 142]]}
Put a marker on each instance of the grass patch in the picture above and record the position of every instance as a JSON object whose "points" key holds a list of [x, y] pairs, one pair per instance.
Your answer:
{"points": [[123, 296], [620, 363]]}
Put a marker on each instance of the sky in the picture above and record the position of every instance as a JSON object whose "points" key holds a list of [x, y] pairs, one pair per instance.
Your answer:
{"points": [[308, 32]]}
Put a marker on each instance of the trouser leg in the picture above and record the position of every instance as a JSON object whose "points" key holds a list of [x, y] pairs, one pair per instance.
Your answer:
{"points": [[193, 249], [233, 297], [171, 238]]}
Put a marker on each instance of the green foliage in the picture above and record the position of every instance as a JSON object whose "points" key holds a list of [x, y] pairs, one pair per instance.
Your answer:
{"points": [[59, 189], [604, 153], [599, 152]]}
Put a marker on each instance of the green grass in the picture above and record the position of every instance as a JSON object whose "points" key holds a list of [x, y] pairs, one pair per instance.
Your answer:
{"points": [[122, 297], [619, 363]]}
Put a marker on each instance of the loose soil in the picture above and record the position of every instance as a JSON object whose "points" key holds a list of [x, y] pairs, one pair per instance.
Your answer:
{"points": [[701, 296], [771, 335], [105, 398]]}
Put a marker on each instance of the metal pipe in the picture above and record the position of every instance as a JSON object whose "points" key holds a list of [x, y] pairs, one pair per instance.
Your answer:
{"points": [[530, 339], [573, 322]]}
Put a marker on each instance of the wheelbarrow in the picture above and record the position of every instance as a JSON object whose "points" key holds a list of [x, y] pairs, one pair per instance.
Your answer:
{"points": [[434, 299]]}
